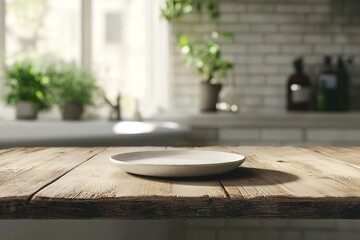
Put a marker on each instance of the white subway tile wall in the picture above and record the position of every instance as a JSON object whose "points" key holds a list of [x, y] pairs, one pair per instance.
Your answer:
{"points": [[268, 35]]}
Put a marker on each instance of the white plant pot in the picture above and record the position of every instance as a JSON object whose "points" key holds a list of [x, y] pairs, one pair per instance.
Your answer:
{"points": [[26, 111]]}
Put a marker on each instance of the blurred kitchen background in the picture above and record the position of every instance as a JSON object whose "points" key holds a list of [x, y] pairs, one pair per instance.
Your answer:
{"points": [[148, 72]]}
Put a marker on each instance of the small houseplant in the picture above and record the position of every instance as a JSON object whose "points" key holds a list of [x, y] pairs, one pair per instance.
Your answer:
{"points": [[207, 58], [73, 88], [28, 89], [209, 64]]}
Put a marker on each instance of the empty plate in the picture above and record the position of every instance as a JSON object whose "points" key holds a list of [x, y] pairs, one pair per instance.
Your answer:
{"points": [[177, 163]]}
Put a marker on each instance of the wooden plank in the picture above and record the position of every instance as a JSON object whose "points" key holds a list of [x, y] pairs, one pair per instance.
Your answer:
{"points": [[98, 189], [3, 151], [274, 182], [301, 173], [293, 182], [349, 155], [24, 171]]}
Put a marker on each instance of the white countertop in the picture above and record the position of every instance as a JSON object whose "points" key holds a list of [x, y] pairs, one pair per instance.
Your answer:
{"points": [[281, 119]]}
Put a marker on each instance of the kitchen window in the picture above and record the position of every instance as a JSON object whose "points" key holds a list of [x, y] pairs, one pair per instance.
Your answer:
{"points": [[124, 42]]}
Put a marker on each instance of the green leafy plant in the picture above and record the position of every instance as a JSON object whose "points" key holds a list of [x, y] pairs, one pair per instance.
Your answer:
{"points": [[26, 82], [72, 84], [207, 59], [175, 9]]}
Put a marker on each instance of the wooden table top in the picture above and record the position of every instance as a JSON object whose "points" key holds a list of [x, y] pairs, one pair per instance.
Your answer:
{"points": [[274, 182]]}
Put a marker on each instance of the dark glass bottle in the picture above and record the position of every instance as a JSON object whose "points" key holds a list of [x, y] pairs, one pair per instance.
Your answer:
{"points": [[327, 86], [320, 99], [343, 86], [298, 89]]}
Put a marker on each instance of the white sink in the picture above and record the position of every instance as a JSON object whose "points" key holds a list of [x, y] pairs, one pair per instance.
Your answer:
{"points": [[131, 127]]}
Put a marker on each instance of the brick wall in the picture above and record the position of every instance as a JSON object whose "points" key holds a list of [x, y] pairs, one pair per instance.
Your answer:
{"points": [[268, 35]]}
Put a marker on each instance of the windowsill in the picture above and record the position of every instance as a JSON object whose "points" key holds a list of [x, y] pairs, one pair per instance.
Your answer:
{"points": [[17, 133]]}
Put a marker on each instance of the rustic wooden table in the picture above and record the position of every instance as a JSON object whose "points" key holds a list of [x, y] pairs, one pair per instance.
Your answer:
{"points": [[274, 182]]}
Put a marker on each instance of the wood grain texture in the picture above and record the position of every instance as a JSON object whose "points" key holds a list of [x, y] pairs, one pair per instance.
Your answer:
{"points": [[293, 172], [110, 192], [350, 155], [295, 182], [24, 171], [274, 182]]}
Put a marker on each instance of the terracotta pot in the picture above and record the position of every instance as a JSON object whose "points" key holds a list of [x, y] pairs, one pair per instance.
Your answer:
{"points": [[72, 111], [26, 111], [209, 96]]}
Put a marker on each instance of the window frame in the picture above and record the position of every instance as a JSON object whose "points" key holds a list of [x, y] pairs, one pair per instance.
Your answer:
{"points": [[2, 38], [159, 90], [86, 36], [158, 69]]}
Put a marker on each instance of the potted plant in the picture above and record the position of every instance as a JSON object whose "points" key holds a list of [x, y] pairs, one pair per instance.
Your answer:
{"points": [[28, 89], [73, 88], [210, 65], [207, 59]]}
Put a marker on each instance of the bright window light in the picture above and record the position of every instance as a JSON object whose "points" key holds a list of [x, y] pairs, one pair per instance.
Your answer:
{"points": [[133, 128], [42, 28]]}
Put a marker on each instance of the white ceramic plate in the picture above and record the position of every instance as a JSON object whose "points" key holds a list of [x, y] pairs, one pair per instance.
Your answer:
{"points": [[177, 163]]}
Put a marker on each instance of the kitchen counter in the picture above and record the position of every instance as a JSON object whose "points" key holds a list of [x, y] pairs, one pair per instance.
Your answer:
{"points": [[283, 128], [267, 119], [274, 182]]}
